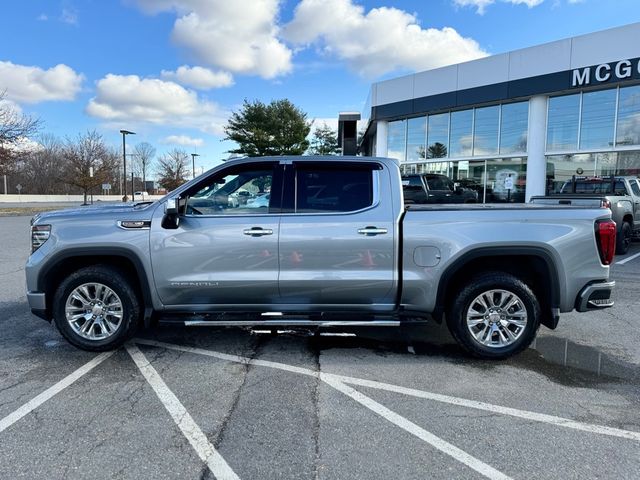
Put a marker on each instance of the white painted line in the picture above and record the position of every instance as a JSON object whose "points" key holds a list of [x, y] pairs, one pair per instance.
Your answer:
{"points": [[38, 400], [489, 407], [462, 402], [189, 428], [628, 259], [400, 421], [229, 358]]}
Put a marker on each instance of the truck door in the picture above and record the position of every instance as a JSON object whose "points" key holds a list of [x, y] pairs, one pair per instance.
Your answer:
{"points": [[336, 236], [225, 249]]}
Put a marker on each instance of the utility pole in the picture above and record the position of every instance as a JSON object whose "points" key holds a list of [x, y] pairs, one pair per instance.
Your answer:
{"points": [[193, 164], [124, 160]]}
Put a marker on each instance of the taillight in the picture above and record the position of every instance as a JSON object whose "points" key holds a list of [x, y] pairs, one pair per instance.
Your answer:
{"points": [[39, 235], [606, 240]]}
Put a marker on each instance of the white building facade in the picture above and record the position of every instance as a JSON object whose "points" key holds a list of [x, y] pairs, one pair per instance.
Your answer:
{"points": [[520, 123]]}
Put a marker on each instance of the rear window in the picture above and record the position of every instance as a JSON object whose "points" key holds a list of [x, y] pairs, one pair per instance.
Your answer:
{"points": [[321, 189], [595, 186]]}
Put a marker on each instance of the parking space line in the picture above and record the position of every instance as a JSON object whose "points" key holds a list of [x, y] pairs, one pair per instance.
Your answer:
{"points": [[38, 400], [189, 428], [628, 259], [490, 407], [410, 427], [462, 402]]}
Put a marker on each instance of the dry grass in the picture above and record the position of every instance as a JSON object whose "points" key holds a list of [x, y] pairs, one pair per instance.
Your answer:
{"points": [[24, 211]]}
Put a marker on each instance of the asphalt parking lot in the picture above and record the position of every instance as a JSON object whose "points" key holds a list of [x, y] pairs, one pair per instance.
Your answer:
{"points": [[229, 403]]}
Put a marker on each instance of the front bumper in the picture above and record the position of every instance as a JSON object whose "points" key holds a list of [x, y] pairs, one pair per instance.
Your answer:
{"points": [[595, 296], [38, 304]]}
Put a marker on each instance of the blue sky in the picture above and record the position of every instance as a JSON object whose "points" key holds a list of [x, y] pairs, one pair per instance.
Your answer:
{"points": [[173, 70]]}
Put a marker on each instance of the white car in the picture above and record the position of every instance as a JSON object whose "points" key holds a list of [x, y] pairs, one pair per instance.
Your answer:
{"points": [[259, 201], [140, 196]]}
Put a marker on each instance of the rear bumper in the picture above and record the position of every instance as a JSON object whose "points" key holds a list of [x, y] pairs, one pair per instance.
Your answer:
{"points": [[595, 296], [38, 304]]}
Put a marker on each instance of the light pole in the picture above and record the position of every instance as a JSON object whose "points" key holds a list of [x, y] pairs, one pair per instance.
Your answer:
{"points": [[193, 164], [124, 160]]}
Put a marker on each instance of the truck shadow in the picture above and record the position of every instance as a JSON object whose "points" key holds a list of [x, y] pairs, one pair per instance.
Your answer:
{"points": [[560, 360]]}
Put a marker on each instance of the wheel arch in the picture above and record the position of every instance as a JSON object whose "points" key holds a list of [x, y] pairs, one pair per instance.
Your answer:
{"points": [[533, 265], [66, 262]]}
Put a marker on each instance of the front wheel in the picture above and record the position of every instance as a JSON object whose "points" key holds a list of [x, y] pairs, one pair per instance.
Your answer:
{"points": [[96, 308], [494, 316]]}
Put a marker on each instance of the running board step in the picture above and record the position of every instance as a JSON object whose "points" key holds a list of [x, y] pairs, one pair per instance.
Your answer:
{"points": [[292, 323]]}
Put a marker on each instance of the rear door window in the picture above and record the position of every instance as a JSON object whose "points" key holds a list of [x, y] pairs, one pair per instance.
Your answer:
{"points": [[331, 188]]}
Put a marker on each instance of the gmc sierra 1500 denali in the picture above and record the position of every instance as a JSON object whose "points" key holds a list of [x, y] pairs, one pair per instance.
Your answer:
{"points": [[317, 242]]}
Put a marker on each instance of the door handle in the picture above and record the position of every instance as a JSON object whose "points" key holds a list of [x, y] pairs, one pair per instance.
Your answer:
{"points": [[371, 231], [257, 231]]}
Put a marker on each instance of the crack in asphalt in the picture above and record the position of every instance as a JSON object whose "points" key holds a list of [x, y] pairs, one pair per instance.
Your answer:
{"points": [[316, 410], [256, 346]]}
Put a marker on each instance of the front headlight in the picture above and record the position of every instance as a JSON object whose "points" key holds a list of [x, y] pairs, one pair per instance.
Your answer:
{"points": [[39, 235]]}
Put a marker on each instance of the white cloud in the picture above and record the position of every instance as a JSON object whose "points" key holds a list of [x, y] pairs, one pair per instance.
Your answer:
{"points": [[199, 77], [234, 36], [69, 15], [378, 41], [30, 84], [183, 140], [481, 5], [42, 17], [131, 99]]}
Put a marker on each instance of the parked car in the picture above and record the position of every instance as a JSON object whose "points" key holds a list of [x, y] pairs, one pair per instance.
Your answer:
{"points": [[435, 188], [140, 196], [621, 194], [336, 246]]}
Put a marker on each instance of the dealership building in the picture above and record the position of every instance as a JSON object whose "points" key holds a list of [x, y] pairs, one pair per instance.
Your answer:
{"points": [[516, 124]]}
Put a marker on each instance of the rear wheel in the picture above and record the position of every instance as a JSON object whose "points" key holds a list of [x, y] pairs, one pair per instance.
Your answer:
{"points": [[96, 308], [494, 316], [624, 238]]}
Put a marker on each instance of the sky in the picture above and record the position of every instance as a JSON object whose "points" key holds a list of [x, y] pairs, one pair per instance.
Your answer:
{"points": [[173, 70]]}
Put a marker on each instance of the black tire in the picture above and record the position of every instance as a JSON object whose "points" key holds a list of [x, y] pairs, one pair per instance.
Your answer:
{"points": [[457, 315], [114, 280], [624, 238]]}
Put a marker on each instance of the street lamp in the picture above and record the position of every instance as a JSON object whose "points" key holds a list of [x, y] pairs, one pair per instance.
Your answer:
{"points": [[193, 164], [124, 161]]}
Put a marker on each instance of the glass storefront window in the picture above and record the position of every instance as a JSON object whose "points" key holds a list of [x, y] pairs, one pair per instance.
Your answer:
{"points": [[561, 168], [506, 180], [514, 125], [598, 117], [416, 138], [461, 139], [485, 139], [628, 130], [397, 140], [438, 135], [470, 175], [562, 123]]}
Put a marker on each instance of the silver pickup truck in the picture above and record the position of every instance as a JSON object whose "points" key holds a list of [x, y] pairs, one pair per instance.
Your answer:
{"points": [[319, 243], [620, 194]]}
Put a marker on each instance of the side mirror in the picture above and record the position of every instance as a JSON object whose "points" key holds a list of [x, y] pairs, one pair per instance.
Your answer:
{"points": [[171, 219], [459, 190], [171, 207]]}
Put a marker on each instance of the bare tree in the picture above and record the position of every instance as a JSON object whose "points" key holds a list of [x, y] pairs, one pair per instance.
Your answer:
{"points": [[87, 155], [173, 169], [15, 127], [145, 152], [41, 167]]}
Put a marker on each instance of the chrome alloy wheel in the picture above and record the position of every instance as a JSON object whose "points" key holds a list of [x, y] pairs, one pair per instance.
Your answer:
{"points": [[496, 318], [94, 311]]}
